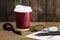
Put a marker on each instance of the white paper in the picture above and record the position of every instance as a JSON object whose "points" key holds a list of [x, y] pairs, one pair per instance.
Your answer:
{"points": [[56, 37], [38, 37]]}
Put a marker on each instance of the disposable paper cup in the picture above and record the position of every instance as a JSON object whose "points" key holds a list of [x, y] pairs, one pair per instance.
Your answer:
{"points": [[23, 14]]}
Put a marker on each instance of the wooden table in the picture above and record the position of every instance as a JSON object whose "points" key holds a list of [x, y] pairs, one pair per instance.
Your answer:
{"points": [[9, 35]]}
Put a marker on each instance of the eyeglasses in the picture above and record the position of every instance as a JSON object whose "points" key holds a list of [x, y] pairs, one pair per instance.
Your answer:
{"points": [[40, 27]]}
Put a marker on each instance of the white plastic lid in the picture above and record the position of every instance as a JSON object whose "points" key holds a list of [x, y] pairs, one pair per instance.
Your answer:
{"points": [[21, 8]]}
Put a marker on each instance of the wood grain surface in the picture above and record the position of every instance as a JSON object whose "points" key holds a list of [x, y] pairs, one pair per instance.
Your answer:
{"points": [[9, 35]]}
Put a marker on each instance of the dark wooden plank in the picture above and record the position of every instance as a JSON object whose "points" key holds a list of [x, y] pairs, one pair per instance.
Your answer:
{"points": [[34, 5], [3, 10], [41, 10], [17, 2], [49, 10], [10, 12], [25, 2], [57, 4]]}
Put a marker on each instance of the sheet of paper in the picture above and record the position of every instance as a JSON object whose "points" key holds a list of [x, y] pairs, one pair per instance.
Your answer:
{"points": [[56, 37], [38, 37]]}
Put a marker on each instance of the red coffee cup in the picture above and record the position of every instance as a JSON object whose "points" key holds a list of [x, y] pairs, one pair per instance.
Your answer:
{"points": [[23, 14]]}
